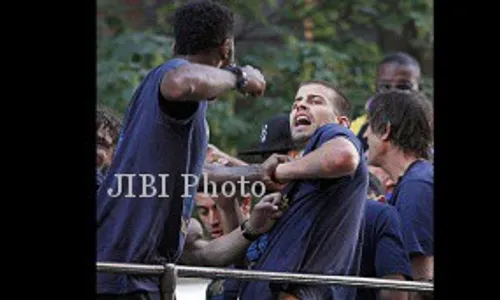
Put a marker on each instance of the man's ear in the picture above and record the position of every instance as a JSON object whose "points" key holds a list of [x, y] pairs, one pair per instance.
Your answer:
{"points": [[226, 52], [174, 49], [245, 206], [387, 132], [344, 121]]}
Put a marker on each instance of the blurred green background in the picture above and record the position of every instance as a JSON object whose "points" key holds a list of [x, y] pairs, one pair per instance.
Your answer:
{"points": [[291, 41]]}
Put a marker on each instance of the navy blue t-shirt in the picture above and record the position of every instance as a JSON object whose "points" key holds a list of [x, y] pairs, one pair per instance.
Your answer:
{"points": [[99, 177], [318, 233], [413, 198], [223, 289], [383, 250], [149, 228]]}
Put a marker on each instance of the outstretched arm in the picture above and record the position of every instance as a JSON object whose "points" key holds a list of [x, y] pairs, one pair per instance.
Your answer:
{"points": [[219, 252], [215, 155], [336, 158], [196, 82], [230, 248], [218, 174]]}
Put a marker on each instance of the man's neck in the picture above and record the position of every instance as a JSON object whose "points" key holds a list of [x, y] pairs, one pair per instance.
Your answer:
{"points": [[301, 146], [398, 163], [200, 59]]}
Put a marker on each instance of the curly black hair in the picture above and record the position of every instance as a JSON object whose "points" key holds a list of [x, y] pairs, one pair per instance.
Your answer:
{"points": [[201, 26], [400, 58], [410, 117], [109, 121]]}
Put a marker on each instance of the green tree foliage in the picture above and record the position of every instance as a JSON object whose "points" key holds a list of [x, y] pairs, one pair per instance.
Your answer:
{"points": [[349, 38]]}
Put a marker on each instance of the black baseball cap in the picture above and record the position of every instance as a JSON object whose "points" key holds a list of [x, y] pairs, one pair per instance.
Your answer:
{"points": [[275, 136]]}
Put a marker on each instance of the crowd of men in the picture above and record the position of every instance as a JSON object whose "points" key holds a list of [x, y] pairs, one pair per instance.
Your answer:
{"points": [[336, 198]]}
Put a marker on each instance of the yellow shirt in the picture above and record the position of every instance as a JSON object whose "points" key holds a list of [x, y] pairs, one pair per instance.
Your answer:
{"points": [[358, 123]]}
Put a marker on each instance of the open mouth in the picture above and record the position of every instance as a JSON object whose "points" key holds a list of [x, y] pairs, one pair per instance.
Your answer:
{"points": [[302, 120], [216, 233]]}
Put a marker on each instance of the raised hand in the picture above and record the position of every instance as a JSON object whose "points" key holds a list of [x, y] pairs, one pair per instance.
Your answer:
{"points": [[265, 213], [256, 83]]}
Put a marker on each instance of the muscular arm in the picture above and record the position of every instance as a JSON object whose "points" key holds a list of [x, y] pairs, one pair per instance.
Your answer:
{"points": [[336, 158], [219, 252], [219, 174], [216, 155], [233, 161], [231, 248], [195, 82]]}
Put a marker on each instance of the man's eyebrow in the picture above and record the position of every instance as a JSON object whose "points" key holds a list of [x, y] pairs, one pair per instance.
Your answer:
{"points": [[315, 95], [311, 96]]}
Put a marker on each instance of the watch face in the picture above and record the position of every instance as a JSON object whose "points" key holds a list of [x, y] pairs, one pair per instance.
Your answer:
{"points": [[244, 79]]}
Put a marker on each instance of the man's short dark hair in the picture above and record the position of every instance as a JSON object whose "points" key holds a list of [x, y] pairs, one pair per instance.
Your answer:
{"points": [[410, 117], [400, 58], [201, 26], [341, 102]]}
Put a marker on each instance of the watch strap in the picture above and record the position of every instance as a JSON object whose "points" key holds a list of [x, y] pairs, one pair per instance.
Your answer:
{"points": [[247, 234], [241, 77]]}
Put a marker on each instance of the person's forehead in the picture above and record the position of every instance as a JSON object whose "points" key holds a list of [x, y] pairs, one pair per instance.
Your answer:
{"points": [[397, 72], [316, 89]]}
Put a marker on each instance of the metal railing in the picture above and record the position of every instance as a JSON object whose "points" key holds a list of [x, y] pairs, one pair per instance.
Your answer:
{"points": [[170, 272]]}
